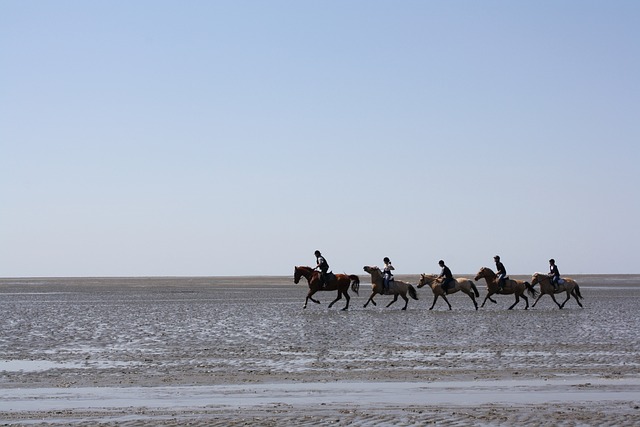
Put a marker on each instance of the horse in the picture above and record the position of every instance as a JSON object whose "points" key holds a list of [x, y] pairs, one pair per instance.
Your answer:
{"points": [[516, 287], [339, 282], [396, 287], [546, 287], [460, 284]]}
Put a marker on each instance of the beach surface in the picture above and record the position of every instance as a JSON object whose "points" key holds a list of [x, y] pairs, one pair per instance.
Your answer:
{"points": [[243, 351]]}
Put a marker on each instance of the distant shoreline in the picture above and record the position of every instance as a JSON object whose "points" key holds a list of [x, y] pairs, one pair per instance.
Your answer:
{"points": [[287, 276]]}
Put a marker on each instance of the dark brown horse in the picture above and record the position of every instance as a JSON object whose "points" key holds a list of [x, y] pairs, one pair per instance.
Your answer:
{"points": [[568, 285], [516, 287], [339, 282]]}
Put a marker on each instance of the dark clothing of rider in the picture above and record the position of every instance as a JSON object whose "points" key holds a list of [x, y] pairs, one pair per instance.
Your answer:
{"points": [[554, 274], [387, 275], [323, 265], [446, 277], [501, 273]]}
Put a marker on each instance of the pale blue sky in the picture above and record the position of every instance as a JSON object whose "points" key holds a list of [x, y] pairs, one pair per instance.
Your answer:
{"points": [[236, 137]]}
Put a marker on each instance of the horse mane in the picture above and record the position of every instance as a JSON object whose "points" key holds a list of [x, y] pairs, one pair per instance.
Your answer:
{"points": [[490, 270]]}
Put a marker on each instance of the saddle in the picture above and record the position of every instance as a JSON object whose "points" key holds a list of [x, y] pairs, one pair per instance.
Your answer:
{"points": [[328, 278], [385, 291], [445, 285]]}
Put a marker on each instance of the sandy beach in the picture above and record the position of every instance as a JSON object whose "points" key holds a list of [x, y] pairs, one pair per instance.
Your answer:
{"points": [[242, 351]]}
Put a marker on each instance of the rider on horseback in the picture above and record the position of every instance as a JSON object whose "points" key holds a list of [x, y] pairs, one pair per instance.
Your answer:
{"points": [[554, 274], [387, 276], [501, 274], [323, 265], [445, 275]]}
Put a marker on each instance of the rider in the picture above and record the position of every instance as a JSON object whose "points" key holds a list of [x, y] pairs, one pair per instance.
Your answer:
{"points": [[323, 266], [501, 273], [445, 275], [554, 274], [387, 276]]}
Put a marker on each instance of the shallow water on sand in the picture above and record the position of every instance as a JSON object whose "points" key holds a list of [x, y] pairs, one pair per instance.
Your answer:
{"points": [[173, 332]]}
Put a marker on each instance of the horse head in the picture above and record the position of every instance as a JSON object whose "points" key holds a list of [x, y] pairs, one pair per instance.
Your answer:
{"points": [[426, 279], [485, 273], [299, 272], [535, 279], [372, 269]]}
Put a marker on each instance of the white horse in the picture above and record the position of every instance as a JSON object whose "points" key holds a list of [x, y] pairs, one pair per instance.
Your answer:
{"points": [[396, 287]]}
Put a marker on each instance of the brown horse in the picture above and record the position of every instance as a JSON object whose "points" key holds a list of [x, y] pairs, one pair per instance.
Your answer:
{"points": [[396, 287], [461, 284], [339, 282], [546, 287], [516, 287]]}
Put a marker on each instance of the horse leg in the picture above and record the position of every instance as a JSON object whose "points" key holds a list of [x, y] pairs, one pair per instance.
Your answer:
{"points": [[310, 297], [488, 297], [473, 298], [348, 298], [553, 297], [337, 299], [447, 301], [537, 299], [573, 292], [435, 298], [395, 298], [470, 293], [370, 300], [406, 301], [515, 303], [526, 300], [565, 301]]}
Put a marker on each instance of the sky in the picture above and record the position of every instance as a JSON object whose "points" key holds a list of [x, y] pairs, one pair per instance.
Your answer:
{"points": [[231, 138]]}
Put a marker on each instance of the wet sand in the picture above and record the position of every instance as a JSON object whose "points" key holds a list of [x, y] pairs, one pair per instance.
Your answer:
{"points": [[242, 351]]}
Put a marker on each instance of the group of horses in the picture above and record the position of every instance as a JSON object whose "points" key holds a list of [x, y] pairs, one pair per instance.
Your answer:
{"points": [[341, 283]]}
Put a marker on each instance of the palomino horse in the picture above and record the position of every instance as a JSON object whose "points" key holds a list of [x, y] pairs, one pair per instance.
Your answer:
{"points": [[546, 287], [396, 287], [461, 284], [339, 282], [516, 287]]}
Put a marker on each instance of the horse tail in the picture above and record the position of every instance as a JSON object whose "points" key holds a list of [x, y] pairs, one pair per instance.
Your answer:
{"points": [[531, 289], [475, 290], [412, 292], [577, 291], [355, 283]]}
